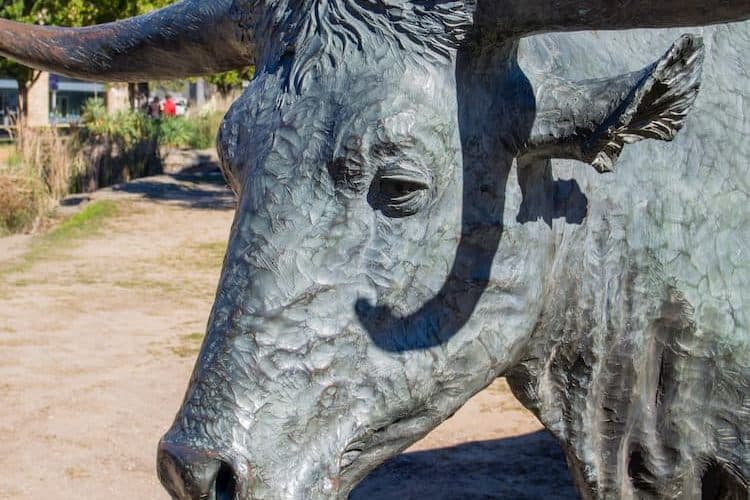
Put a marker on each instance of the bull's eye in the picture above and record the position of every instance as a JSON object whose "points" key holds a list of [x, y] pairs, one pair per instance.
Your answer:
{"points": [[399, 192]]}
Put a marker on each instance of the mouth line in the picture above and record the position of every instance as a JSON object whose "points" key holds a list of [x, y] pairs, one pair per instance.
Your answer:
{"points": [[389, 440], [349, 456]]}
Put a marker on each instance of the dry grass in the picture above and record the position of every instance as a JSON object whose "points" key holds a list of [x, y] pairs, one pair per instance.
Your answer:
{"points": [[151, 285], [189, 345], [202, 257], [46, 165], [31, 176], [46, 154], [76, 473], [23, 200]]}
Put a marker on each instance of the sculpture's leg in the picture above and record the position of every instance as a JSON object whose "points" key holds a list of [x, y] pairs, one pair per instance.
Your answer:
{"points": [[618, 370]]}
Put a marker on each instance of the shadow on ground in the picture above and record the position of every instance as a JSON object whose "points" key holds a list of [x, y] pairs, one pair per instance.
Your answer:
{"points": [[530, 467], [201, 187]]}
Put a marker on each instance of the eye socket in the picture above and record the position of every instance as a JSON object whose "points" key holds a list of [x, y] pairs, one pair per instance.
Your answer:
{"points": [[348, 173], [398, 194]]}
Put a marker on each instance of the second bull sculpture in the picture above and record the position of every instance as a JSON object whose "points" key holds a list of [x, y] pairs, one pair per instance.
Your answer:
{"points": [[402, 237]]}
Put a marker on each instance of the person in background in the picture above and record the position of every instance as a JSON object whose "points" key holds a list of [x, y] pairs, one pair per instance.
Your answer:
{"points": [[154, 109], [170, 108]]}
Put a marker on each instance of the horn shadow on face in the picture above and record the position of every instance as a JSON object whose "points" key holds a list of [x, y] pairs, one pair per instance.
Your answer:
{"points": [[486, 167]]}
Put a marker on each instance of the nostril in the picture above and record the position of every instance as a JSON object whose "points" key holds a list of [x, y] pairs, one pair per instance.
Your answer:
{"points": [[188, 473], [226, 484]]}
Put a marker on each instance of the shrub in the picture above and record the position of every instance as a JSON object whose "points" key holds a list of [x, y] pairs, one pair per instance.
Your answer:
{"points": [[38, 170], [113, 148], [46, 155], [207, 128], [23, 200], [176, 132], [197, 131], [104, 149]]}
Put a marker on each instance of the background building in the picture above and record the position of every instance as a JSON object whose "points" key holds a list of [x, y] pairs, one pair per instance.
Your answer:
{"points": [[67, 97], [64, 103]]}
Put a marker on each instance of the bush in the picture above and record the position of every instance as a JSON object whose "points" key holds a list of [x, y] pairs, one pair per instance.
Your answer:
{"points": [[132, 127], [126, 127], [176, 132], [104, 149], [23, 200], [45, 154], [207, 128], [113, 148], [37, 171], [198, 132]]}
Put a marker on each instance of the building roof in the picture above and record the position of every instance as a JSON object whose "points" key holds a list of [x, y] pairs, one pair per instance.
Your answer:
{"points": [[63, 85]]}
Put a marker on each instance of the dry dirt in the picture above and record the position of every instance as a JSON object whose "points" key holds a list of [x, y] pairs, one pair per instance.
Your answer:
{"points": [[98, 336]]}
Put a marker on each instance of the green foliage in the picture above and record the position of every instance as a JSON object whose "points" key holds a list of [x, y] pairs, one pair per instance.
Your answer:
{"points": [[86, 12], [126, 127], [176, 131], [28, 12], [105, 149], [85, 223], [94, 117], [206, 129], [198, 132], [130, 127], [112, 148], [21, 74], [231, 80]]}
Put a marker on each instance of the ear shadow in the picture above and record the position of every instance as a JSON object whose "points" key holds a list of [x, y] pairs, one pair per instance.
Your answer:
{"points": [[546, 198], [570, 202]]}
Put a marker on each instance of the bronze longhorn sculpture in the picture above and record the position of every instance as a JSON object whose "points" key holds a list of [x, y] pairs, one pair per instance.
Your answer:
{"points": [[413, 222]]}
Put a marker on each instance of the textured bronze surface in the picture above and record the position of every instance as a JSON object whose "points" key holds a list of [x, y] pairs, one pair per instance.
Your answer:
{"points": [[415, 221]]}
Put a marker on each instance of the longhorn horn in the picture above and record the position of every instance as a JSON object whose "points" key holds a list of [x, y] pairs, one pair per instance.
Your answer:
{"points": [[524, 17], [192, 37]]}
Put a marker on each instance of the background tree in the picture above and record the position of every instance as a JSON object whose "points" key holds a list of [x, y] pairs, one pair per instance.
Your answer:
{"points": [[83, 13], [226, 82], [62, 13], [86, 12], [28, 12]]}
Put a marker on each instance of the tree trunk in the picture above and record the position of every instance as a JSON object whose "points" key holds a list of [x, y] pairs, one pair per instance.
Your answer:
{"points": [[23, 99], [131, 95], [37, 101], [23, 93]]}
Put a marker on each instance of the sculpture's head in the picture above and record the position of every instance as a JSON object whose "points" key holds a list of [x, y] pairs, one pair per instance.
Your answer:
{"points": [[370, 286], [350, 318], [343, 327]]}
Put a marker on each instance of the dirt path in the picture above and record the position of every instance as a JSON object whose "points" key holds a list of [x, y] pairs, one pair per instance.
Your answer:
{"points": [[99, 328]]}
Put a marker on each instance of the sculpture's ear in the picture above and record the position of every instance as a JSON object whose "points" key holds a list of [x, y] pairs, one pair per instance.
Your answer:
{"points": [[188, 38], [658, 107], [592, 120]]}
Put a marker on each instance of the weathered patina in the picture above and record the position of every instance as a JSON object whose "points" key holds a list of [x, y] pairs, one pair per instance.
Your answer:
{"points": [[411, 226]]}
